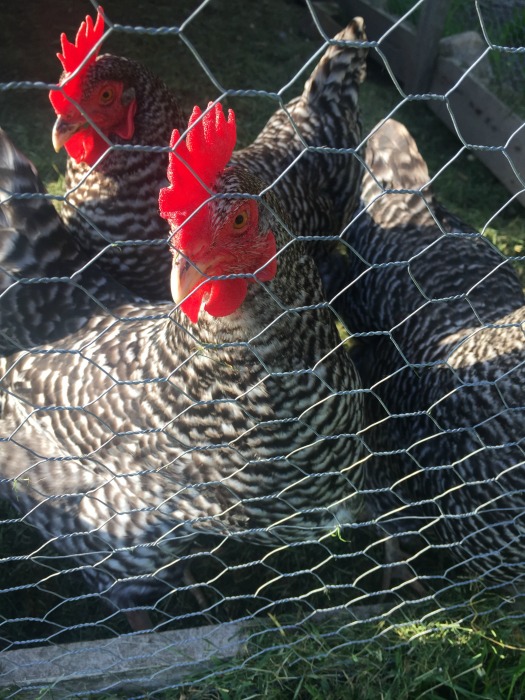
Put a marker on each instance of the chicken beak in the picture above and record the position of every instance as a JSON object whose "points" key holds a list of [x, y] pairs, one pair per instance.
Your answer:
{"points": [[63, 131], [184, 278]]}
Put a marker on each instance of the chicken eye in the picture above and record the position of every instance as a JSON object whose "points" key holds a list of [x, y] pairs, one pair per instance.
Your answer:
{"points": [[106, 96], [240, 220]]}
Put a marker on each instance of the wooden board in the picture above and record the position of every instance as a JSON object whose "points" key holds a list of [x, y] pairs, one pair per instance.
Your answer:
{"points": [[145, 661], [481, 119], [131, 662]]}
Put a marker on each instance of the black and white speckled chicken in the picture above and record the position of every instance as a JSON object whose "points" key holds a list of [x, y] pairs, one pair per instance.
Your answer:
{"points": [[112, 196], [233, 413], [445, 361], [48, 287]]}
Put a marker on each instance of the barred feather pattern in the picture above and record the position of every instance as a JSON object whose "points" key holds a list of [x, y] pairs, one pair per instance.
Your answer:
{"points": [[445, 360], [130, 439], [307, 150], [48, 288], [113, 207], [117, 200]]}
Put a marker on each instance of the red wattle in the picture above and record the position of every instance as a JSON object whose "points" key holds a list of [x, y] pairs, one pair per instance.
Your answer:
{"points": [[225, 296], [86, 146]]}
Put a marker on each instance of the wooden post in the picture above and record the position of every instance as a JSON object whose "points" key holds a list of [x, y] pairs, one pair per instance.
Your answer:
{"points": [[424, 53]]}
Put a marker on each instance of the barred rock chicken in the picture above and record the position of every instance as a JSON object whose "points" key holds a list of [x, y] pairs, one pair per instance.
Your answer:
{"points": [[48, 288], [107, 99], [446, 363], [113, 195], [233, 413]]}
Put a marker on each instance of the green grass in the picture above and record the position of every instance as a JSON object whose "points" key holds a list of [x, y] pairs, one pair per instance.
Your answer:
{"points": [[443, 660]]}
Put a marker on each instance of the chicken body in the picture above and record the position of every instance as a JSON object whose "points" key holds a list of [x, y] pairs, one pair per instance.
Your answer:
{"points": [[443, 315], [130, 438], [48, 287], [115, 199]]}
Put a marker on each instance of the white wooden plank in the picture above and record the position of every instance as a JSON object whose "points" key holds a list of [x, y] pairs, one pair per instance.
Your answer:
{"points": [[148, 660], [145, 661]]}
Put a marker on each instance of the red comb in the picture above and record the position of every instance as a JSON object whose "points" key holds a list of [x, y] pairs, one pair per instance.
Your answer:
{"points": [[87, 37], [78, 54], [193, 169]]}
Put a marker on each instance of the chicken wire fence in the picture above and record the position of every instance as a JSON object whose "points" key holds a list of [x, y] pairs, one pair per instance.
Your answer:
{"points": [[412, 516], [502, 23]]}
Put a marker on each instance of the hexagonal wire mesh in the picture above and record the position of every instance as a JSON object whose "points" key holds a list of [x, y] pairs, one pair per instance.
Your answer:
{"points": [[282, 460]]}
